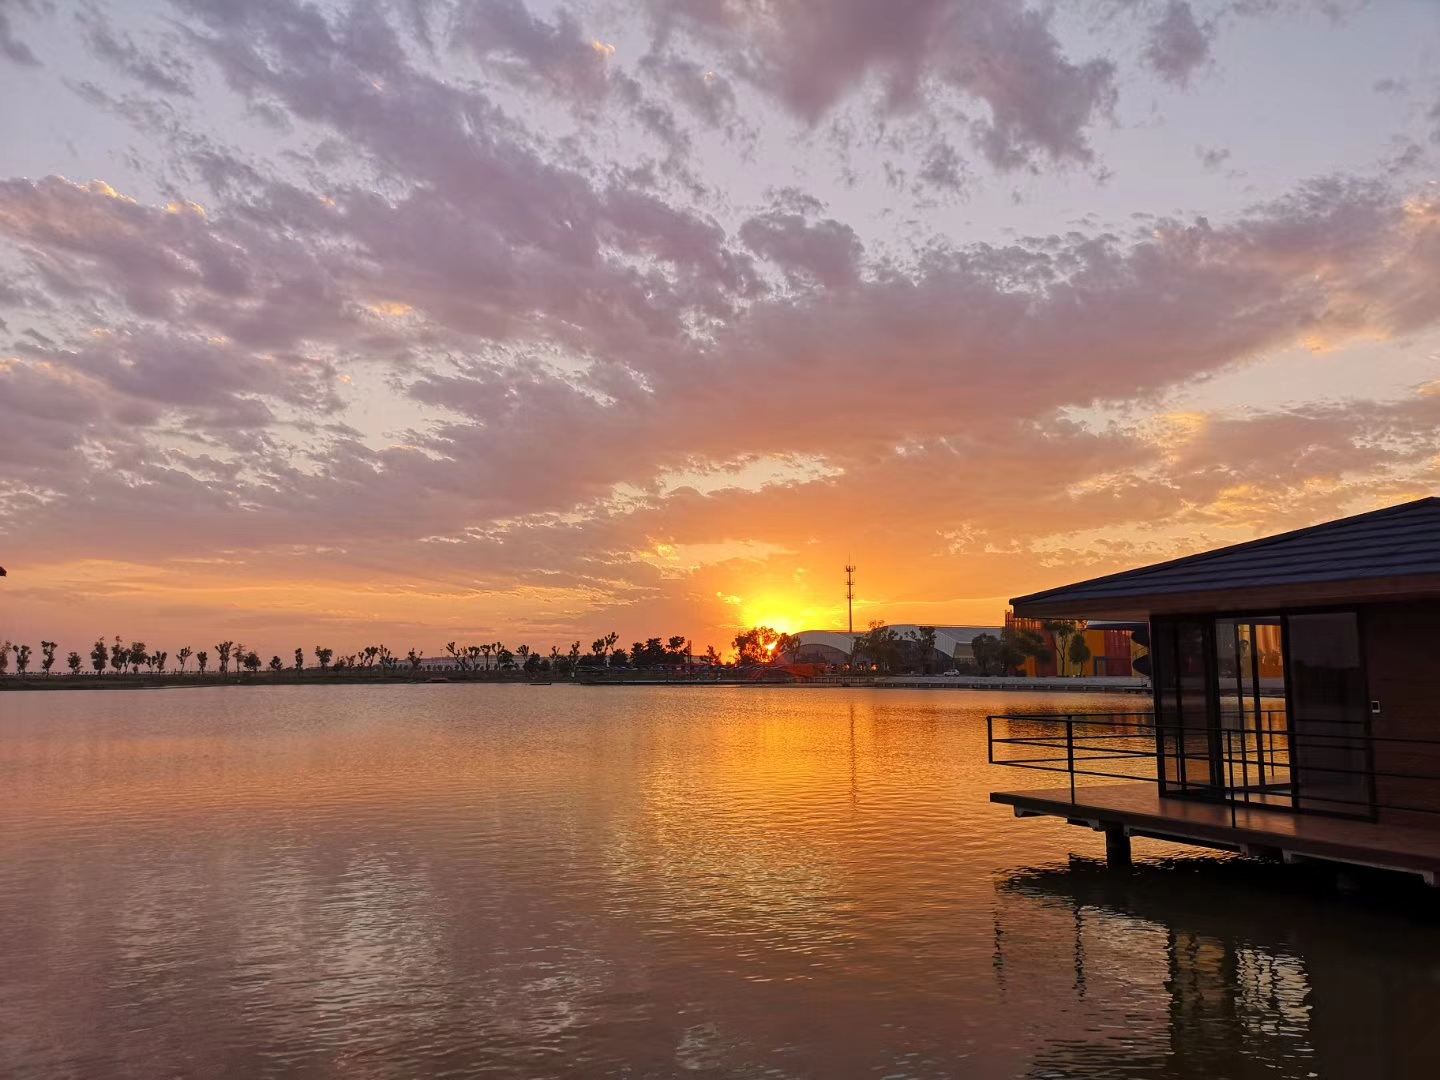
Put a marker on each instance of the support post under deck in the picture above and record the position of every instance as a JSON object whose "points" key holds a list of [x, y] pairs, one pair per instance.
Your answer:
{"points": [[1117, 847]]}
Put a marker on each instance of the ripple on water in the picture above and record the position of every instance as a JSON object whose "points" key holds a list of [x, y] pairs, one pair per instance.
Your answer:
{"points": [[468, 880]]}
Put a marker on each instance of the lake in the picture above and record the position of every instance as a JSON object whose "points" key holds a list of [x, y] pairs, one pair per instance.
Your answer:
{"points": [[460, 880]]}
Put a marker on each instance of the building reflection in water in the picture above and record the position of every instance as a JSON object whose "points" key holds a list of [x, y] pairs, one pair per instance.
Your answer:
{"points": [[1222, 975]]}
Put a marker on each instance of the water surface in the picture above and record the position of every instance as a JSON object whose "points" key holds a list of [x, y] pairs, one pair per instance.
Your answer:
{"points": [[452, 880]]}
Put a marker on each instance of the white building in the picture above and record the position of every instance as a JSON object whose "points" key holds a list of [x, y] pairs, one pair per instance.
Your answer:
{"points": [[952, 644]]}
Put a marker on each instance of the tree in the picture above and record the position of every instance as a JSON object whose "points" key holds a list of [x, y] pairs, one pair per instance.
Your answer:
{"points": [[22, 658], [761, 645], [880, 645], [237, 653], [1078, 652], [485, 651], [532, 663], [711, 656], [457, 654], [299, 659], [472, 657], [4, 658], [923, 640], [73, 661], [47, 656], [323, 657], [184, 656], [619, 658], [224, 649], [276, 664], [523, 653], [138, 655], [202, 659], [119, 656], [505, 658], [251, 660], [414, 659], [1061, 631], [159, 657], [97, 656]]}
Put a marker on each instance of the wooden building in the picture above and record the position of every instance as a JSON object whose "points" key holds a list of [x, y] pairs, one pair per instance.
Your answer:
{"points": [[1293, 675]]}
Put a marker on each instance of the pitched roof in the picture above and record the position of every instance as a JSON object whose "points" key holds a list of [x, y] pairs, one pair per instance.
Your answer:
{"points": [[1390, 552]]}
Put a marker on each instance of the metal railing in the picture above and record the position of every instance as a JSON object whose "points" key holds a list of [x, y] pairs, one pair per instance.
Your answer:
{"points": [[1261, 762]]}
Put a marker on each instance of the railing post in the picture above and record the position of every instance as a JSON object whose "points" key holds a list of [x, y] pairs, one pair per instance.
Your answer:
{"points": [[1070, 751]]}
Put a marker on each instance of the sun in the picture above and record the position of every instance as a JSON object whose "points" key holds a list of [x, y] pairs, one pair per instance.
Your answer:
{"points": [[776, 612]]}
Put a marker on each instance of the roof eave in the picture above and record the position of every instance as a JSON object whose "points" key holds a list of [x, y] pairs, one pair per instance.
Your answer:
{"points": [[1061, 603]]}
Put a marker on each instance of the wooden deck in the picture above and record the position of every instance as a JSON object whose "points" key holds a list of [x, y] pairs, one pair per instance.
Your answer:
{"points": [[1140, 810]]}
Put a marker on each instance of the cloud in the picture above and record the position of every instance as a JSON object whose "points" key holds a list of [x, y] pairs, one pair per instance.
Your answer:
{"points": [[1178, 44], [166, 71], [558, 55], [11, 47], [1212, 157], [825, 252], [407, 326], [813, 54]]}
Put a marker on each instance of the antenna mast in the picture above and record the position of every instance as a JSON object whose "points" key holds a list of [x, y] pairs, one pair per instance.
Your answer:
{"points": [[850, 595]]}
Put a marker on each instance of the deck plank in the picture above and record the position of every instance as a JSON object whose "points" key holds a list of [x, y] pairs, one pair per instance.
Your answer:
{"points": [[1141, 807]]}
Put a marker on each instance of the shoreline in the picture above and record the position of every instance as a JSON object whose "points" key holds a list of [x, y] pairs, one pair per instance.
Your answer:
{"points": [[1075, 684]]}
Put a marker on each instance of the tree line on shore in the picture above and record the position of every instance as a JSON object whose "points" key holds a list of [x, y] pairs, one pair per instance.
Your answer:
{"points": [[120, 658], [881, 646]]}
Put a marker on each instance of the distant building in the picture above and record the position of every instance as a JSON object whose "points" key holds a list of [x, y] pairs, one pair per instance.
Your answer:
{"points": [[953, 646]]}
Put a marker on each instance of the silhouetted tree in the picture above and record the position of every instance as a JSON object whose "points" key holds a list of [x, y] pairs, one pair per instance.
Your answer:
{"points": [[414, 659], [1078, 652], [299, 659], [73, 661], [202, 658], [762, 645], [184, 656], [159, 657], [224, 649], [138, 656], [251, 661], [276, 664], [47, 656], [119, 656], [22, 658], [323, 657], [1061, 631], [98, 653], [4, 657]]}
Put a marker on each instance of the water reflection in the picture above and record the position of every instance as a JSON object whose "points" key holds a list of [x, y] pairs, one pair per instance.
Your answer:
{"points": [[1226, 968], [351, 882]]}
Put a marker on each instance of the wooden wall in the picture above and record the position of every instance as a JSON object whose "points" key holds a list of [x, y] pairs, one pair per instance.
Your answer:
{"points": [[1402, 660]]}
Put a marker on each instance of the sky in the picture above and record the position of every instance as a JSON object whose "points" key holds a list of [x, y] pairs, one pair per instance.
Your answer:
{"points": [[406, 321]]}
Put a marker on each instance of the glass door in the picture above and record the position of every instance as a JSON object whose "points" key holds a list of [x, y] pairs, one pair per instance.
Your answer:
{"points": [[1250, 694], [1191, 759], [1329, 714]]}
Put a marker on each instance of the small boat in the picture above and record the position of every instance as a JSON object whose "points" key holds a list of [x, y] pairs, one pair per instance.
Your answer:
{"points": [[537, 682]]}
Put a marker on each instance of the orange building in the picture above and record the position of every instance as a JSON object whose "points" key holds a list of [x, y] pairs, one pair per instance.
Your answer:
{"points": [[1113, 646]]}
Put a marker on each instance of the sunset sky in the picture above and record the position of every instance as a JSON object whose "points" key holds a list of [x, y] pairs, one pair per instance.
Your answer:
{"points": [[412, 321]]}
